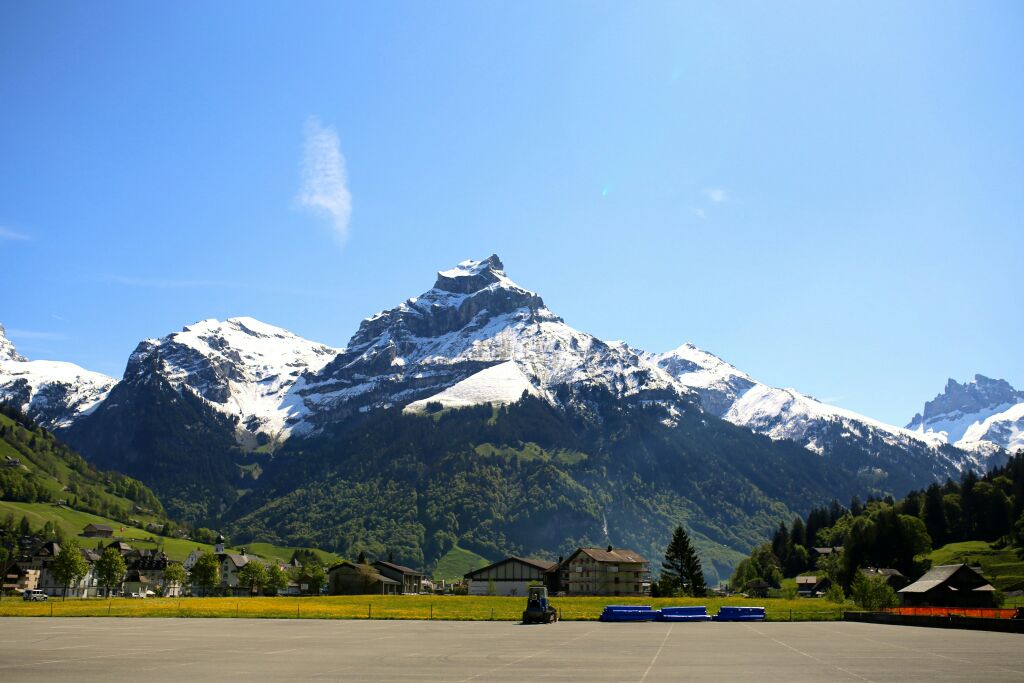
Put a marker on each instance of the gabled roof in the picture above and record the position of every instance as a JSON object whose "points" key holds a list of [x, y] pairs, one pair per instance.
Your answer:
{"points": [[807, 580], [943, 574], [542, 565], [397, 567], [238, 560], [613, 555], [99, 527]]}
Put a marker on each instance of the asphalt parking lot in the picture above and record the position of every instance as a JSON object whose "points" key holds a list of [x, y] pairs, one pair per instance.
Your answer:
{"points": [[87, 649]]}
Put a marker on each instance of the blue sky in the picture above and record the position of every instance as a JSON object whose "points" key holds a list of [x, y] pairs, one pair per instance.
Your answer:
{"points": [[827, 195]]}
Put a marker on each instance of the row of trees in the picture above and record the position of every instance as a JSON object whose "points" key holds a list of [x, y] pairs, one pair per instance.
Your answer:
{"points": [[889, 533]]}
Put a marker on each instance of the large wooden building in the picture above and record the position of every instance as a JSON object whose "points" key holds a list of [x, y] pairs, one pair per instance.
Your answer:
{"points": [[511, 576], [605, 571], [949, 585]]}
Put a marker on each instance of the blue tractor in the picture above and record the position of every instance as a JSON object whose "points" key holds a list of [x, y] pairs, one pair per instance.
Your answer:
{"points": [[538, 610]]}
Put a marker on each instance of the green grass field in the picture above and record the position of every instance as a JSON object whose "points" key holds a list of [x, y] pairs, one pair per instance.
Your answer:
{"points": [[454, 608], [1000, 565], [72, 522]]}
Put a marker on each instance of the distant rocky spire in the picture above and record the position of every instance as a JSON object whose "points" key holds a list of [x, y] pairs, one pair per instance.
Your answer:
{"points": [[7, 350]]}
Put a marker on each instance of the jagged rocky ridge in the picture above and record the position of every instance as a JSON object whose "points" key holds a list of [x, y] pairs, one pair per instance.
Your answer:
{"points": [[978, 415]]}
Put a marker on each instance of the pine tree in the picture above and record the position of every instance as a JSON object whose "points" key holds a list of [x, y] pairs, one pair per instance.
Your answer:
{"points": [[681, 569]]}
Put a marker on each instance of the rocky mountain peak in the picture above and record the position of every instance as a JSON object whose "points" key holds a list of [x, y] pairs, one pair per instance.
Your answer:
{"points": [[7, 350], [981, 394], [471, 276]]}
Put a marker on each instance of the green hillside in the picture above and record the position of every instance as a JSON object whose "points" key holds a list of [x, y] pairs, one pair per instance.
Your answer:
{"points": [[1002, 566], [457, 562], [37, 468], [71, 522]]}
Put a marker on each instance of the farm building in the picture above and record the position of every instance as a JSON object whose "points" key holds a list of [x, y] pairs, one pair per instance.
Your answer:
{"points": [[350, 578], [409, 580], [511, 576], [949, 585], [98, 531]]}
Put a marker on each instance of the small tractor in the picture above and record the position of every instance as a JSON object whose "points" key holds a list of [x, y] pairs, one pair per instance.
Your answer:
{"points": [[538, 610]]}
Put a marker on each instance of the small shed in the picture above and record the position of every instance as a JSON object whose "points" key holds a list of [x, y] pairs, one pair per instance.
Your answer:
{"points": [[949, 585]]}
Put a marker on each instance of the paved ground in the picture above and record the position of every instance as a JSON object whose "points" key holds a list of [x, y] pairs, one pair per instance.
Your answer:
{"points": [[149, 650]]}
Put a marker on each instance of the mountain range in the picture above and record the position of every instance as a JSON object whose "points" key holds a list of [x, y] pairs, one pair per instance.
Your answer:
{"points": [[474, 415]]}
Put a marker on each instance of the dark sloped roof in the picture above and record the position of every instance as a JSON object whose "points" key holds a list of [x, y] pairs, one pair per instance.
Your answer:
{"points": [[613, 555], [99, 527], [881, 571], [397, 567], [238, 560], [937, 576], [542, 565]]}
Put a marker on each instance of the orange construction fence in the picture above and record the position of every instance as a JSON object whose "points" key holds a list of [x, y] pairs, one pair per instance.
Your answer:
{"points": [[985, 612]]}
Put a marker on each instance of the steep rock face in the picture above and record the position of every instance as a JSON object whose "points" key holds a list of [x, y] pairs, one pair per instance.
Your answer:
{"points": [[475, 318], [736, 397], [53, 393], [242, 367], [980, 415]]}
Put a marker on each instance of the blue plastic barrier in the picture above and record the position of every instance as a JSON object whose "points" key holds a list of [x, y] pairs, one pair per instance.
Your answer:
{"points": [[629, 613], [740, 614], [689, 613]]}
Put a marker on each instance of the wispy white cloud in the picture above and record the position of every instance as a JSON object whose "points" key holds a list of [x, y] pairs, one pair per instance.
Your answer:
{"points": [[716, 194], [324, 180], [12, 235], [35, 334], [57, 317], [698, 212]]}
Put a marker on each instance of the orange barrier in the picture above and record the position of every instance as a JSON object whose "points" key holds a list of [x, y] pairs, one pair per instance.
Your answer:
{"points": [[983, 612]]}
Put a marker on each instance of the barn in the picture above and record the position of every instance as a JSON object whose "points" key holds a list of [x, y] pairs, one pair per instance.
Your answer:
{"points": [[511, 576], [949, 585]]}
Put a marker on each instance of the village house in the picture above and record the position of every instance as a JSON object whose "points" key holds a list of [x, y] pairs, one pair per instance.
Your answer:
{"points": [[350, 578], [605, 571], [511, 576], [949, 585], [230, 565], [41, 561], [18, 580]]}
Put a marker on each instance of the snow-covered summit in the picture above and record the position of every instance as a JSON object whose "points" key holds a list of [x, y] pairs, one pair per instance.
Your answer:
{"points": [[53, 393], [473, 318], [736, 397], [242, 367], [980, 414]]}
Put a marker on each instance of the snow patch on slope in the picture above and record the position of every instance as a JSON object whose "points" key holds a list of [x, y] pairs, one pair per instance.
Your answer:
{"points": [[500, 384]]}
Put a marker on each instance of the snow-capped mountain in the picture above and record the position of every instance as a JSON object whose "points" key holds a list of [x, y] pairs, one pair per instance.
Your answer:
{"points": [[976, 415], [738, 398], [241, 367], [53, 393], [475, 337]]}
